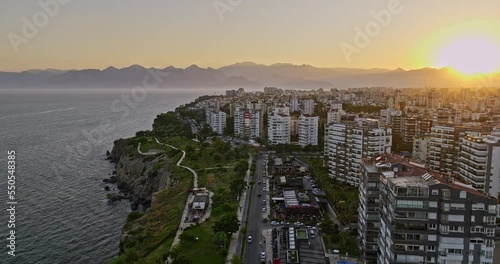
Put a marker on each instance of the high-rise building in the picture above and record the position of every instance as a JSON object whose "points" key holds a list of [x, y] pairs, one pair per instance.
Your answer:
{"points": [[308, 107], [294, 105], [420, 148], [333, 116], [414, 127], [308, 130], [218, 122], [247, 123], [278, 128], [444, 147], [410, 215], [346, 143], [478, 162]]}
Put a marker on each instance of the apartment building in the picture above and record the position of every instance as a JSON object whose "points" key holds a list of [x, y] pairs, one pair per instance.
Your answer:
{"points": [[218, 122], [308, 130], [420, 148], [414, 127], [478, 162], [308, 107], [278, 128], [444, 147], [346, 143], [294, 105], [334, 116], [410, 215], [247, 123]]}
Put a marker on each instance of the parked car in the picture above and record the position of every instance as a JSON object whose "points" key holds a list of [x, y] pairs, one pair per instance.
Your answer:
{"points": [[249, 240], [264, 202], [274, 223], [263, 255], [264, 209], [258, 194]]}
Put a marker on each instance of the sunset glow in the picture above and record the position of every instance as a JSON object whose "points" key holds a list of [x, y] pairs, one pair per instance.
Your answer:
{"points": [[470, 55]]}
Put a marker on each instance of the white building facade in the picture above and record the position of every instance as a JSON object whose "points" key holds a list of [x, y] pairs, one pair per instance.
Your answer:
{"points": [[308, 130], [278, 129]]}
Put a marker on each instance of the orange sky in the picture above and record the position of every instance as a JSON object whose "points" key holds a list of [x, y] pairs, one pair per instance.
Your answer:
{"points": [[97, 34]]}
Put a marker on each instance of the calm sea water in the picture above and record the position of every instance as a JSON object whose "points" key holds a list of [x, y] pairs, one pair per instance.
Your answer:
{"points": [[60, 138]]}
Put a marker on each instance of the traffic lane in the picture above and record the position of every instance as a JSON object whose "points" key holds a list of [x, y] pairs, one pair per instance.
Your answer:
{"points": [[254, 226]]}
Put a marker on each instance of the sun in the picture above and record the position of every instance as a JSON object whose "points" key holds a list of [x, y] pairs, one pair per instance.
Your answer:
{"points": [[469, 55]]}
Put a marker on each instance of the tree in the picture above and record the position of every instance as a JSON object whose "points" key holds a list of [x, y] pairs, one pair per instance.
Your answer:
{"points": [[237, 185], [227, 224], [177, 256], [327, 226]]}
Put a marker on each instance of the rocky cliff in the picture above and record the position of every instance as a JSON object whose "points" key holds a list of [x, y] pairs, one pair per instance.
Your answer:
{"points": [[136, 175]]}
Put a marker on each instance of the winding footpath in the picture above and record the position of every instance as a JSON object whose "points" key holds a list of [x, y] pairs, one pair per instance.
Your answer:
{"points": [[195, 175], [182, 224]]}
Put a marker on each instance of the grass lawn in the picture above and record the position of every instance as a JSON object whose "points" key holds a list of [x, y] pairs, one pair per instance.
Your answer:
{"points": [[293, 256], [201, 250], [344, 242], [302, 234]]}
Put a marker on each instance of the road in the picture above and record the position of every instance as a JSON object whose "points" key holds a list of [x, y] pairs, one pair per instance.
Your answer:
{"points": [[255, 225]]}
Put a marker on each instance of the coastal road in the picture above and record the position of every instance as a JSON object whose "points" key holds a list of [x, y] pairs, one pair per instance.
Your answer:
{"points": [[255, 225]]}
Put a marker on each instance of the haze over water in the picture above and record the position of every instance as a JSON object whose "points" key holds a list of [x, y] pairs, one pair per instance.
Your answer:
{"points": [[64, 217]]}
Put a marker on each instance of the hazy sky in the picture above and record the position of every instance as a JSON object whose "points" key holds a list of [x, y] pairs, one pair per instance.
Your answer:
{"points": [[158, 33]]}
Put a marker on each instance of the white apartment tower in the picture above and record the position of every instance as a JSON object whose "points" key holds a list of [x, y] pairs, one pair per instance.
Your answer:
{"points": [[346, 143], [278, 128], [247, 123], [218, 122], [308, 130], [308, 107], [479, 162], [294, 105]]}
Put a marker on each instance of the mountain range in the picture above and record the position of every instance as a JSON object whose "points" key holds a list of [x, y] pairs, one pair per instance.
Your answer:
{"points": [[246, 75]]}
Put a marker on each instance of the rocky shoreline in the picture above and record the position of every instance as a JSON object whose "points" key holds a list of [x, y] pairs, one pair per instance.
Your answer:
{"points": [[137, 177]]}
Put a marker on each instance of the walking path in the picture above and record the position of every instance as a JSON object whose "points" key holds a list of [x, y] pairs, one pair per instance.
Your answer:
{"points": [[195, 175], [183, 224], [233, 245], [150, 152]]}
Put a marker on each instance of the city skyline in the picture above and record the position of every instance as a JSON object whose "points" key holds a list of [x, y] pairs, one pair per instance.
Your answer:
{"points": [[381, 34]]}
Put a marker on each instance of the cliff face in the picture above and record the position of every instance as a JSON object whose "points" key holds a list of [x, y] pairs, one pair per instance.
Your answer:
{"points": [[139, 176]]}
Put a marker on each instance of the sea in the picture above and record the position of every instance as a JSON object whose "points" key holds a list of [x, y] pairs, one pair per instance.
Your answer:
{"points": [[60, 137]]}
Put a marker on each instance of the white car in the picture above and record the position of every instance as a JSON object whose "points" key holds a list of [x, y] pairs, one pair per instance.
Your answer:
{"points": [[263, 255], [274, 223], [264, 209], [249, 239]]}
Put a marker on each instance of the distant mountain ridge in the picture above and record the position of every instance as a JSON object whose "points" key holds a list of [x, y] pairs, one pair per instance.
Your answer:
{"points": [[247, 75]]}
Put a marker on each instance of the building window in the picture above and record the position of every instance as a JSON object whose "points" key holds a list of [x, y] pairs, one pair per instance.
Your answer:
{"points": [[431, 248], [477, 229], [476, 241], [456, 206], [435, 192], [463, 194], [490, 220], [455, 251], [478, 206], [488, 243], [456, 229], [433, 226], [492, 209], [445, 194], [490, 231]]}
